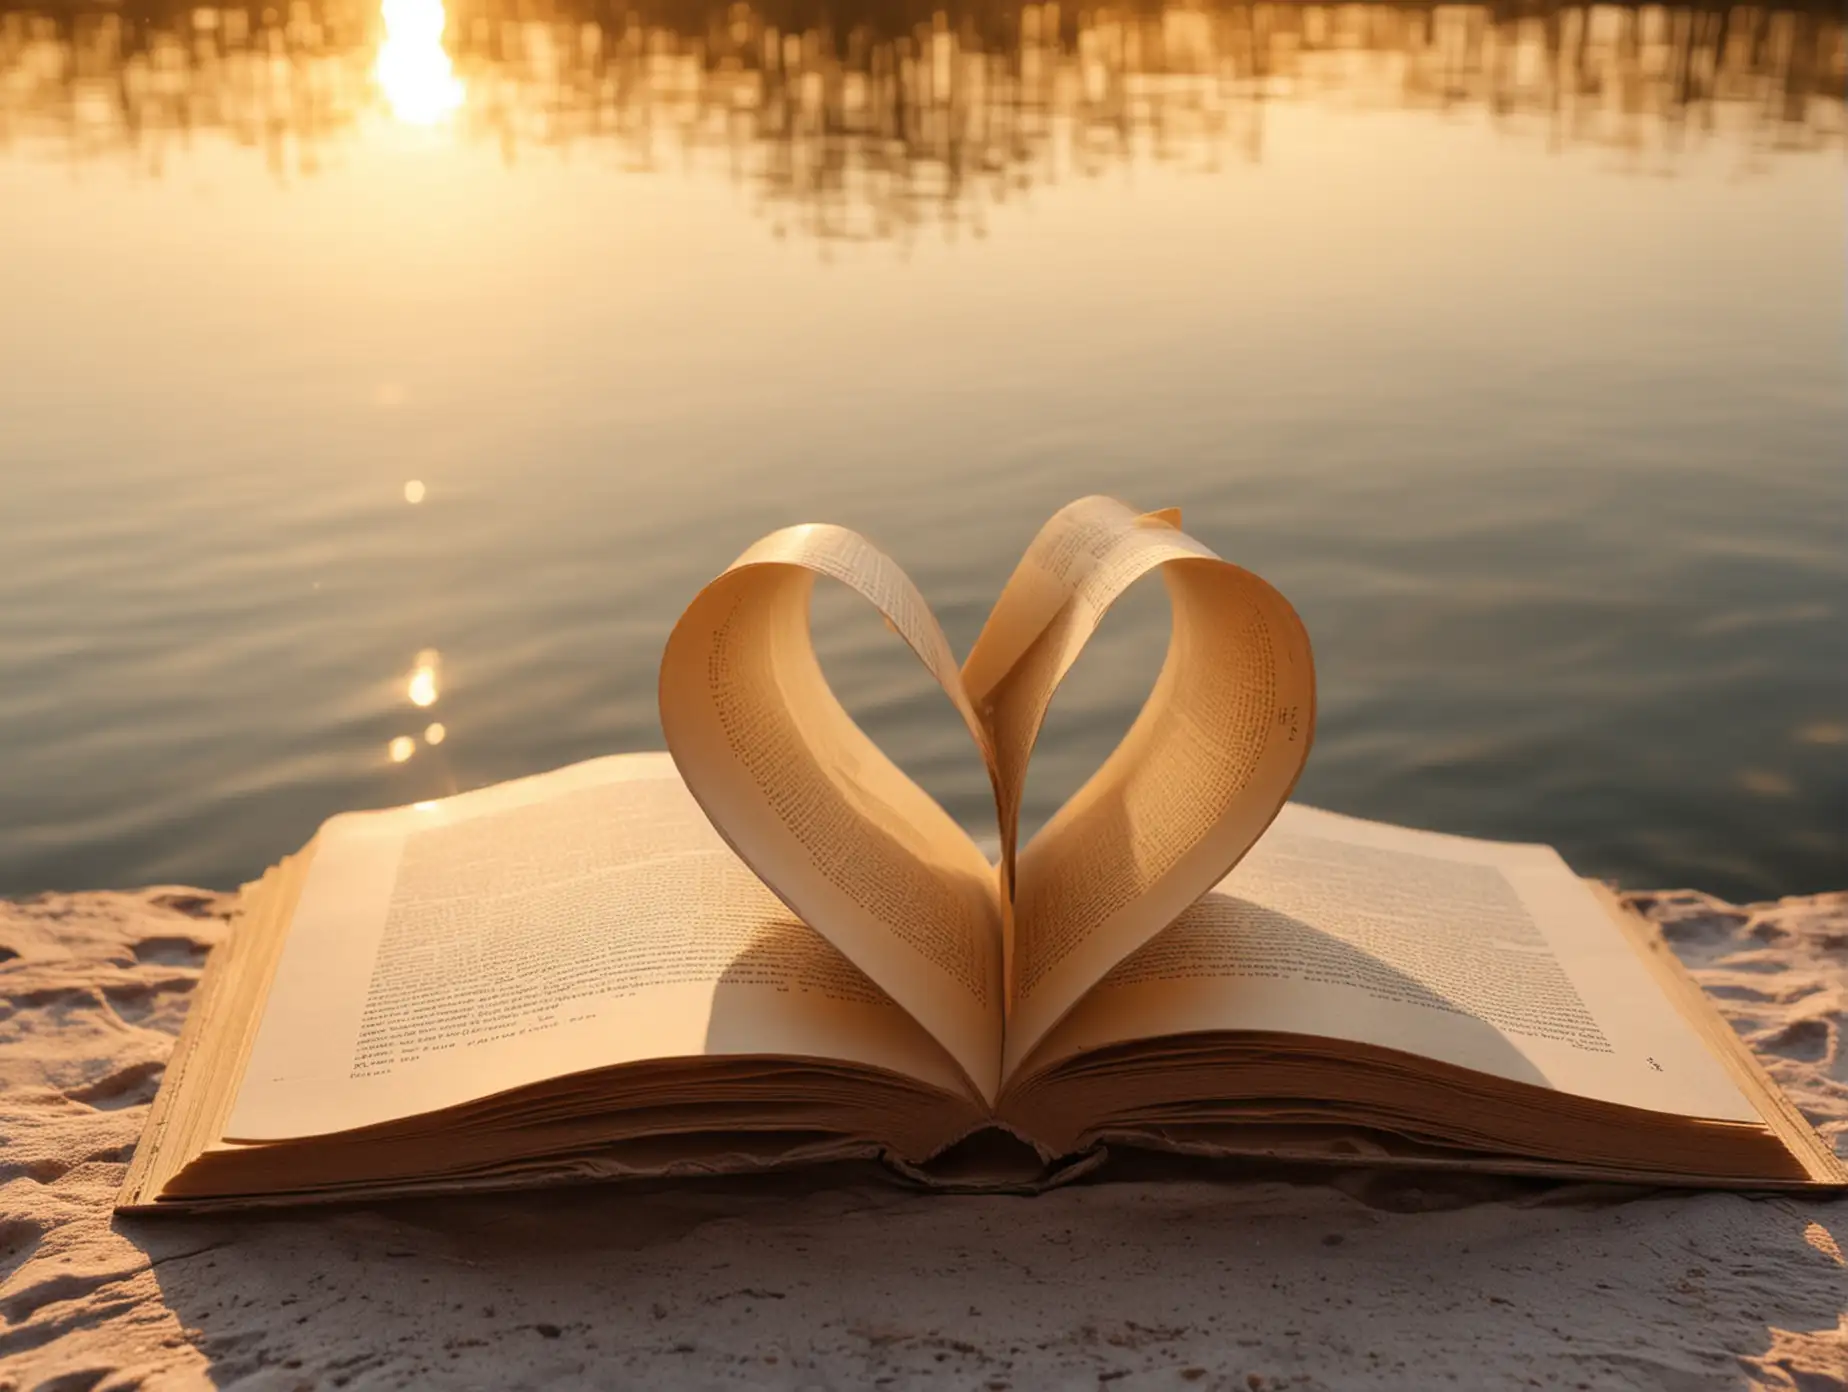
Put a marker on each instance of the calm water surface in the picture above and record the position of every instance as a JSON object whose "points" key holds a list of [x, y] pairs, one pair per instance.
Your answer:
{"points": [[375, 387]]}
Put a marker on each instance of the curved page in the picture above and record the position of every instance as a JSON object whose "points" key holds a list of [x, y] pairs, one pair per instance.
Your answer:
{"points": [[1206, 766], [1057, 565], [1057, 560], [836, 829]]}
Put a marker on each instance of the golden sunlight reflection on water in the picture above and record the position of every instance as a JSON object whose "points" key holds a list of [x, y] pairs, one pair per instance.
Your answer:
{"points": [[413, 69], [422, 689]]}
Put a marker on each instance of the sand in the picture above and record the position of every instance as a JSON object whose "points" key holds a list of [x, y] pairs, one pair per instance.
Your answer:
{"points": [[1258, 1281]]}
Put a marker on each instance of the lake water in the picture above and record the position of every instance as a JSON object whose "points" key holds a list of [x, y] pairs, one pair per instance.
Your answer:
{"points": [[375, 388]]}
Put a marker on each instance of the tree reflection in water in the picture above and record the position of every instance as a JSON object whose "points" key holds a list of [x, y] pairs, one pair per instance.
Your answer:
{"points": [[866, 119]]}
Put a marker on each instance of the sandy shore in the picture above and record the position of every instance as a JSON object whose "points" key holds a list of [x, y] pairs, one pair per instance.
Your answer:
{"points": [[1267, 1280]]}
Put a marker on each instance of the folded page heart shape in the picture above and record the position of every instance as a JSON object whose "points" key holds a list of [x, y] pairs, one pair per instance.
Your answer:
{"points": [[988, 958]]}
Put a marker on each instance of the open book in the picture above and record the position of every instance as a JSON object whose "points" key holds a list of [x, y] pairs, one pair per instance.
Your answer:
{"points": [[769, 946]]}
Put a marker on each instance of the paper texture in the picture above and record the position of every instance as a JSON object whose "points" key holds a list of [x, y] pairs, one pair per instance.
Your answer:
{"points": [[577, 920], [1493, 957]]}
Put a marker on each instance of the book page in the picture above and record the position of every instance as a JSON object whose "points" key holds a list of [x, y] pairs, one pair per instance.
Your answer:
{"points": [[1489, 956], [581, 919], [1207, 763], [828, 822], [1061, 555], [1010, 674]]}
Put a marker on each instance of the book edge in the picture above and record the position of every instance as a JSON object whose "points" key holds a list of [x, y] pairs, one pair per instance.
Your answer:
{"points": [[1825, 1169], [150, 1145], [259, 922]]}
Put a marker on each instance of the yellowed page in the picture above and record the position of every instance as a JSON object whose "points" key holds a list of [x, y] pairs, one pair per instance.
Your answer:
{"points": [[1489, 956], [1009, 693], [1210, 759], [828, 822], [1056, 562], [581, 919]]}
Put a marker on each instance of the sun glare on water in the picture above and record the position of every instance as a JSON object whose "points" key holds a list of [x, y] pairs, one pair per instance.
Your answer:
{"points": [[413, 69]]}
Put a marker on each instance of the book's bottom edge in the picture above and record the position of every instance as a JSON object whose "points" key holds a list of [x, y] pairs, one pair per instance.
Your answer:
{"points": [[1138, 1160], [1113, 1160]]}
